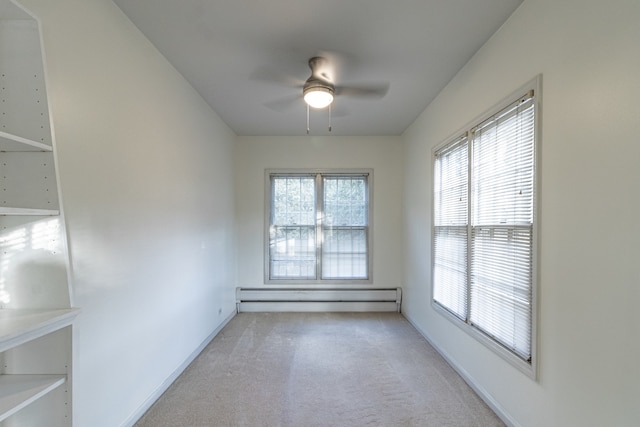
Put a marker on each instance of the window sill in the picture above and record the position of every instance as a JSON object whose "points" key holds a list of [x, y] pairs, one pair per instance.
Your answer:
{"points": [[527, 368]]}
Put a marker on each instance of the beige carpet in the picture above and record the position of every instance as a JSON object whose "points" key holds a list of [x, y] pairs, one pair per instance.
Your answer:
{"points": [[319, 369]]}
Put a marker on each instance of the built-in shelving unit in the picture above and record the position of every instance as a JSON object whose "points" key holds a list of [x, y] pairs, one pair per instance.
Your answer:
{"points": [[36, 314]]}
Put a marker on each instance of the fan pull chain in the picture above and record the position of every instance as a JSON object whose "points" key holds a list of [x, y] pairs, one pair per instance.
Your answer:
{"points": [[308, 120]]}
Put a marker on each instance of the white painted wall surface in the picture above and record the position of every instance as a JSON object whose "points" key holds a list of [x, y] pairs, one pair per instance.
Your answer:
{"points": [[382, 154], [589, 329], [147, 189]]}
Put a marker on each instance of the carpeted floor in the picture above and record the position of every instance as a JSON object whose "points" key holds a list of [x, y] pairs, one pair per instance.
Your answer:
{"points": [[319, 369]]}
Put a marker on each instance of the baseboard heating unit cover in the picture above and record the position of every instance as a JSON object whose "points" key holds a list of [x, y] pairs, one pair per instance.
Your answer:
{"points": [[296, 299]]}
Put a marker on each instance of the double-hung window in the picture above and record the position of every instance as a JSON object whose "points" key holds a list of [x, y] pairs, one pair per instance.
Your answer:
{"points": [[318, 227], [485, 226]]}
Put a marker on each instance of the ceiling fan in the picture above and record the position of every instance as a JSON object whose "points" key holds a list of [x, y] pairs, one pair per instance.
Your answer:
{"points": [[320, 89]]}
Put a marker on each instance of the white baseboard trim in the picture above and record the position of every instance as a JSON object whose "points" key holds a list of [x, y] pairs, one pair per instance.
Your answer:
{"points": [[129, 422], [480, 391]]}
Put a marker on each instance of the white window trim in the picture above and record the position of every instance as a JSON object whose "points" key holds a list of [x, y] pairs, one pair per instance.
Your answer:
{"points": [[267, 223], [528, 368]]}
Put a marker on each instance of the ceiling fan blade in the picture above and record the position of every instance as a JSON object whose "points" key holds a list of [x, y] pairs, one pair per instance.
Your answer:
{"points": [[271, 75], [373, 90], [285, 104], [339, 111], [336, 63]]}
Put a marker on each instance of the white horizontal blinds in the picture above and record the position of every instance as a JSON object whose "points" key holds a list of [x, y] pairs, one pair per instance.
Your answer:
{"points": [[502, 209], [501, 286], [503, 156], [292, 236], [345, 222], [451, 177]]}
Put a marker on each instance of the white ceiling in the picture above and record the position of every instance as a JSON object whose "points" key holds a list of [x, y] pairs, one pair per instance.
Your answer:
{"points": [[245, 57]]}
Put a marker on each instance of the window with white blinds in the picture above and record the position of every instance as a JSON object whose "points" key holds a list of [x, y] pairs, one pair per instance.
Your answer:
{"points": [[484, 226], [319, 227]]}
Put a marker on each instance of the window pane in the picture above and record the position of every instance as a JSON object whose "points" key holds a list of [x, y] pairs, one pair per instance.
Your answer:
{"points": [[345, 201], [293, 200], [344, 253], [450, 269], [501, 270], [292, 252], [503, 168], [451, 174]]}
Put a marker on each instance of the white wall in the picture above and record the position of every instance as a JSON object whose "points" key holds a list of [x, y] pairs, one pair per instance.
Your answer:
{"points": [[147, 189], [146, 173], [589, 329], [382, 154]]}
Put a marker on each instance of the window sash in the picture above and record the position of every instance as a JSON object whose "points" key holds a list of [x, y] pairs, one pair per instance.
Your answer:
{"points": [[451, 184], [293, 200], [503, 167], [500, 285], [450, 269], [344, 253], [292, 252], [345, 216], [451, 213], [484, 211]]}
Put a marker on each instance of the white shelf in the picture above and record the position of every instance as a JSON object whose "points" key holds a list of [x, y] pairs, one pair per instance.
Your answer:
{"points": [[18, 391], [9, 142], [28, 211], [20, 326]]}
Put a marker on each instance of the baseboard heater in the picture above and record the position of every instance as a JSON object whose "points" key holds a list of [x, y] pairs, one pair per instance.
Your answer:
{"points": [[290, 299]]}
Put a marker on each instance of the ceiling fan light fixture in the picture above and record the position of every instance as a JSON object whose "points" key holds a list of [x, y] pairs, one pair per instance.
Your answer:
{"points": [[318, 96]]}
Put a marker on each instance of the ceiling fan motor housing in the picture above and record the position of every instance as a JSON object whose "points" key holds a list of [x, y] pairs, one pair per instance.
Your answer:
{"points": [[318, 90], [313, 85]]}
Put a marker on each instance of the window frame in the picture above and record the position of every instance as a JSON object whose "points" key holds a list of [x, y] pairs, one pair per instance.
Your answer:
{"points": [[318, 174], [530, 367]]}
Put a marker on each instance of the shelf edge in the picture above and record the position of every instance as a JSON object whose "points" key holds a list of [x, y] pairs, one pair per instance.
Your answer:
{"points": [[49, 383], [5, 211], [15, 138], [59, 320]]}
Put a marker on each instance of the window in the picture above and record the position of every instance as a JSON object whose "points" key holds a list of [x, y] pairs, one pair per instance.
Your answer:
{"points": [[318, 227], [484, 227]]}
